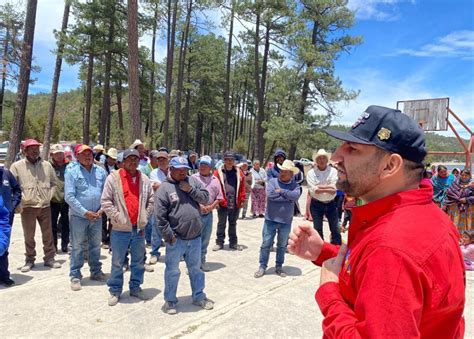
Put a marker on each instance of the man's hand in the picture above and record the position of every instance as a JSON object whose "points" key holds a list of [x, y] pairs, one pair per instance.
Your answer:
{"points": [[156, 185], [204, 209], [305, 242], [173, 240], [332, 267], [277, 190], [91, 215], [184, 186]]}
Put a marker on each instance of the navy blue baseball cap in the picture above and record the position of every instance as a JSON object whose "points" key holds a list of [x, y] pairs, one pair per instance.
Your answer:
{"points": [[388, 129], [179, 162]]}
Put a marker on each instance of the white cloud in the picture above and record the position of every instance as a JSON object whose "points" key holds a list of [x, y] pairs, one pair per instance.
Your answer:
{"points": [[379, 10], [377, 89], [455, 44]]}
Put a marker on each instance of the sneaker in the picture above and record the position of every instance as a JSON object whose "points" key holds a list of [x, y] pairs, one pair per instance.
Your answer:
{"points": [[236, 247], [99, 277], [139, 294], [204, 303], [279, 271], [260, 273], [76, 284], [113, 299], [52, 264], [205, 267], [153, 260], [149, 268], [217, 247], [27, 267], [105, 246], [169, 307], [7, 282]]}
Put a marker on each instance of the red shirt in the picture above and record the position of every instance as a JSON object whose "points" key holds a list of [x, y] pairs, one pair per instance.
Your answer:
{"points": [[403, 275], [131, 193]]}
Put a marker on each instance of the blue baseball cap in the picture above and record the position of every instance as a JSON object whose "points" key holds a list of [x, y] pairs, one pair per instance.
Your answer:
{"points": [[179, 162], [205, 160], [388, 129]]}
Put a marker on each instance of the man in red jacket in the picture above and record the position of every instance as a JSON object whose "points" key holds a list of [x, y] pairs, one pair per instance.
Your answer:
{"points": [[401, 274], [232, 181]]}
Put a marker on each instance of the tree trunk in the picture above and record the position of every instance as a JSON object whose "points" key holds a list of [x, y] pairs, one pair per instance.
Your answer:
{"points": [[54, 90], [227, 82], [23, 83], [90, 69], [199, 126], [185, 122], [179, 87], [4, 73], [118, 93], [133, 81], [259, 147], [169, 69], [152, 75], [105, 112]]}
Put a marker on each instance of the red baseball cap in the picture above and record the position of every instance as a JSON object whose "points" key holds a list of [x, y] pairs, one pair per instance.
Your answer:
{"points": [[31, 142], [81, 148]]}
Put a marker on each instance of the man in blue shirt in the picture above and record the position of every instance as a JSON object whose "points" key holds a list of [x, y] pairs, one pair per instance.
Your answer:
{"points": [[282, 192], [84, 184]]}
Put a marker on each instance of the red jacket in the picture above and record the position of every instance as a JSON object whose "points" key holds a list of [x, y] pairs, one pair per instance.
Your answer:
{"points": [[403, 275], [241, 195]]}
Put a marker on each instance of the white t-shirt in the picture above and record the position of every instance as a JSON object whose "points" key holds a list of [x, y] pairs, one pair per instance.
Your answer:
{"points": [[317, 177], [157, 175]]}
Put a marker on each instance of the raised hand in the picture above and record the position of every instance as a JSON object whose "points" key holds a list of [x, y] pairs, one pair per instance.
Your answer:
{"points": [[305, 242], [332, 267]]}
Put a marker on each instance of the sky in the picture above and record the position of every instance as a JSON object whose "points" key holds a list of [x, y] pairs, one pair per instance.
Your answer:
{"points": [[412, 49]]}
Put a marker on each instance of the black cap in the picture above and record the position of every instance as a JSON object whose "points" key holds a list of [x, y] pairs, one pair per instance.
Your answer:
{"points": [[388, 129], [229, 155], [129, 152]]}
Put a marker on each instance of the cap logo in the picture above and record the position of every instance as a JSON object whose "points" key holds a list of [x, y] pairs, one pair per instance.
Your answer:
{"points": [[181, 160], [384, 134], [360, 120]]}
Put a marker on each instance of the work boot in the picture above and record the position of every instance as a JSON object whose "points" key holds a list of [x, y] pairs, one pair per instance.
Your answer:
{"points": [[169, 307], [260, 273], [236, 247], [52, 264], [99, 277], [204, 303], [279, 271], [113, 299], [217, 247], [76, 284], [7, 282], [139, 294], [27, 267], [205, 267]]}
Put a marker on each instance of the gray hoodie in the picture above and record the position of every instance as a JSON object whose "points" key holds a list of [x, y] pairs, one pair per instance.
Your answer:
{"points": [[177, 212]]}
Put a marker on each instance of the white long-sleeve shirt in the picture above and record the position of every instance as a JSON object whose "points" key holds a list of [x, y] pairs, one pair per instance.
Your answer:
{"points": [[317, 177]]}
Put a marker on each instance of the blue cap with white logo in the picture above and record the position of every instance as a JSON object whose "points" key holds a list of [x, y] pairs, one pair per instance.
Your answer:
{"points": [[179, 162]]}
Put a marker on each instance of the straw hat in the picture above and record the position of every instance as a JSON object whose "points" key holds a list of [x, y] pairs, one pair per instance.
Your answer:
{"points": [[112, 152], [288, 165]]}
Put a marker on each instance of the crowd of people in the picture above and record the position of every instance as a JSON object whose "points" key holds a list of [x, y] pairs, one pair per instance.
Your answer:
{"points": [[127, 201]]}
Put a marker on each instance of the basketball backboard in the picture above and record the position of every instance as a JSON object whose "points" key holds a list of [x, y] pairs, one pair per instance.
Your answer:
{"points": [[431, 114]]}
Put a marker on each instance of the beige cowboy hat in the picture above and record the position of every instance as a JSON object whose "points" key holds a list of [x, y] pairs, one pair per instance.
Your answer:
{"points": [[113, 153], [136, 143], [321, 153], [57, 148], [98, 148], [288, 165]]}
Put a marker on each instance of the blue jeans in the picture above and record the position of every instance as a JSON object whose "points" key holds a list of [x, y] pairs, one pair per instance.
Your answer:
{"points": [[191, 249], [149, 230], [205, 234], [83, 231], [318, 211], [270, 229], [120, 242], [155, 237]]}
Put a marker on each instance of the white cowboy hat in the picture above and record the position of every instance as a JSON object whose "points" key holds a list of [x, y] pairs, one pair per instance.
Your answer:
{"points": [[288, 165], [136, 143], [112, 153], [321, 152], [99, 147]]}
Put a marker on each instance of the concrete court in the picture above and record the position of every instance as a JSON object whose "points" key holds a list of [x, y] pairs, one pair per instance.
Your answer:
{"points": [[43, 305]]}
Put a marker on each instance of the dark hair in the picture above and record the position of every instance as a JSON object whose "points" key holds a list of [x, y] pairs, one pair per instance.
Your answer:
{"points": [[413, 170], [454, 169], [469, 234], [466, 171], [441, 167]]}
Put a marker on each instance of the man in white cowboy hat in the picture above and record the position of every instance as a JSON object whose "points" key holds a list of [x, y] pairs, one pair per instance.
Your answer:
{"points": [[143, 164], [282, 192], [322, 180], [58, 204], [99, 155], [111, 160]]}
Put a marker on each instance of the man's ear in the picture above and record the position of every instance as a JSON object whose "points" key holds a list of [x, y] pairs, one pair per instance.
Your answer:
{"points": [[393, 164]]}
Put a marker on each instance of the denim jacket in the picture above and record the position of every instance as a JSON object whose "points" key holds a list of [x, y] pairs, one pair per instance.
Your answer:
{"points": [[83, 189]]}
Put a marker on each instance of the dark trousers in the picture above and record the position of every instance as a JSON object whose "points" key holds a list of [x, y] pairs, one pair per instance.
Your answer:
{"points": [[347, 217], [339, 201], [4, 273], [63, 221], [106, 229], [318, 211], [223, 215]]}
